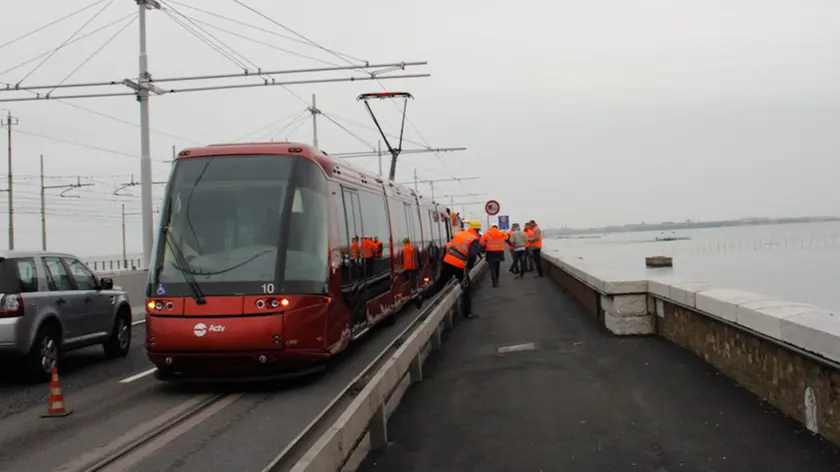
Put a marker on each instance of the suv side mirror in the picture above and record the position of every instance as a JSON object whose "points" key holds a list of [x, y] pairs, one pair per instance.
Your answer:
{"points": [[106, 283]]}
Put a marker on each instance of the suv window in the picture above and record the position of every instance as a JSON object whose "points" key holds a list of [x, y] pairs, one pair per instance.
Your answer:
{"points": [[18, 275], [85, 280], [57, 275]]}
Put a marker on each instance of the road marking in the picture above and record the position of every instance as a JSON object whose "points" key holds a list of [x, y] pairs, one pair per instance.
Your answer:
{"points": [[138, 376], [138, 309], [516, 348]]}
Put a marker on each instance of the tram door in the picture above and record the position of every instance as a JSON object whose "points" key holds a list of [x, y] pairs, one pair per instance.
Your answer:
{"points": [[354, 287]]}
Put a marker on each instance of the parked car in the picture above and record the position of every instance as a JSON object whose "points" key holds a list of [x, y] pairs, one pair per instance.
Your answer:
{"points": [[51, 303]]}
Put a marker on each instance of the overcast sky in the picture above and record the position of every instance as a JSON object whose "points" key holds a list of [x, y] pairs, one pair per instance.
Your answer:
{"points": [[576, 113]]}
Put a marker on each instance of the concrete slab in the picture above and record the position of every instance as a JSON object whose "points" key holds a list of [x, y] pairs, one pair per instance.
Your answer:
{"points": [[685, 293], [817, 331], [721, 302], [766, 316]]}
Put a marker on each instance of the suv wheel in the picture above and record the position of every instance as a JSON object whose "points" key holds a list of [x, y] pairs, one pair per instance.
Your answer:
{"points": [[43, 355], [120, 341]]}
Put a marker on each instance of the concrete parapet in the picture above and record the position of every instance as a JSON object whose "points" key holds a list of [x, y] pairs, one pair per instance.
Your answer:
{"points": [[133, 282], [787, 353]]}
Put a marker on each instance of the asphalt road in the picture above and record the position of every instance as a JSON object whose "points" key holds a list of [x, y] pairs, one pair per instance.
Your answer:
{"points": [[79, 370], [582, 399]]}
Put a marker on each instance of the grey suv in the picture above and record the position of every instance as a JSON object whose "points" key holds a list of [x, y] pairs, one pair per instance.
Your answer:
{"points": [[52, 303]]}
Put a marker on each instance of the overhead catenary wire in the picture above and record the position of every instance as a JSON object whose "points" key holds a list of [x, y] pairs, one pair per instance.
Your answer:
{"points": [[82, 108], [75, 40], [96, 52], [302, 122], [221, 43], [52, 23], [330, 51], [96, 15], [263, 43], [209, 43], [371, 146], [249, 25], [295, 115], [299, 120], [89, 146]]}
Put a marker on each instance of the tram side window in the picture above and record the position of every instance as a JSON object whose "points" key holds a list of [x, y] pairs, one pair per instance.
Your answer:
{"points": [[307, 255], [377, 246], [398, 227], [441, 229], [342, 227], [413, 223]]}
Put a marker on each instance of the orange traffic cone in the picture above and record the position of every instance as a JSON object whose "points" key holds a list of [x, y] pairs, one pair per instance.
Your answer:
{"points": [[55, 405]]}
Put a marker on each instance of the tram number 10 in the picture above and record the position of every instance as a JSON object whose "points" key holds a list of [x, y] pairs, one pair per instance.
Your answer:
{"points": [[268, 288]]}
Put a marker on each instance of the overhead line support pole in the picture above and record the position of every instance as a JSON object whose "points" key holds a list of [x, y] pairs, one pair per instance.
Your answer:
{"points": [[315, 112], [43, 209], [9, 123], [143, 83]]}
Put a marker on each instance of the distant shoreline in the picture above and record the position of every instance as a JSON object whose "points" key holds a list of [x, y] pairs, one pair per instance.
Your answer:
{"points": [[669, 226]]}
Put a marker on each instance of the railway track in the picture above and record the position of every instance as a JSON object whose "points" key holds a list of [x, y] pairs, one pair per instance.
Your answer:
{"points": [[295, 451], [130, 449], [144, 442]]}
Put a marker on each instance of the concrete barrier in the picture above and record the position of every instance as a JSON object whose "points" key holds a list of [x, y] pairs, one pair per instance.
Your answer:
{"points": [[787, 353], [133, 282], [366, 418]]}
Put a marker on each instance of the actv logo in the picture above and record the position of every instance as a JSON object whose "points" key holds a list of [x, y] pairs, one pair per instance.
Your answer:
{"points": [[201, 329]]}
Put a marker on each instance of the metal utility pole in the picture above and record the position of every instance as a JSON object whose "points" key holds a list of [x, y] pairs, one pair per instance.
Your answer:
{"points": [[143, 87], [43, 209], [10, 121], [415, 184], [63, 194], [125, 253], [315, 112], [379, 154]]}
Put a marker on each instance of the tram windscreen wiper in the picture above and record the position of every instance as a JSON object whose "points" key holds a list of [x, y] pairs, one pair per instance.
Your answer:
{"points": [[184, 268], [182, 265]]}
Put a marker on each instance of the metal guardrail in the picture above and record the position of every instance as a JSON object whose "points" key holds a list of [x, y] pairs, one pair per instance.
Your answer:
{"points": [[113, 265], [360, 409]]}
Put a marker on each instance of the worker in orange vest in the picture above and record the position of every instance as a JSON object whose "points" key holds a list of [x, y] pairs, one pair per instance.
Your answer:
{"points": [[368, 254], [461, 254], [529, 256], [535, 241], [409, 263], [493, 243]]}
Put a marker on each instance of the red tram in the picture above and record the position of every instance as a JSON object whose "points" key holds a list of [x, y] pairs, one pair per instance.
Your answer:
{"points": [[273, 257]]}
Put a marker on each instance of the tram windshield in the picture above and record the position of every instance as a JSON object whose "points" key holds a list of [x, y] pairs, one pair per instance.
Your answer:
{"points": [[242, 225]]}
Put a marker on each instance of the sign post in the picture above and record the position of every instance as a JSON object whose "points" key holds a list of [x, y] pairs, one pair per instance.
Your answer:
{"points": [[492, 209]]}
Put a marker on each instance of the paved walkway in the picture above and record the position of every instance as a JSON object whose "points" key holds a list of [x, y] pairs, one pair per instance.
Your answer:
{"points": [[583, 400]]}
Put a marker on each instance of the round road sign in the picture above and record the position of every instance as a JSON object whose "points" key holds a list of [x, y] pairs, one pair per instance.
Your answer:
{"points": [[491, 207]]}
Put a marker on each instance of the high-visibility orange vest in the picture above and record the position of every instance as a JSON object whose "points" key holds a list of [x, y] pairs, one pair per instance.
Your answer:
{"points": [[409, 257], [537, 243], [368, 248], [528, 233], [354, 249], [458, 250], [493, 240]]}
